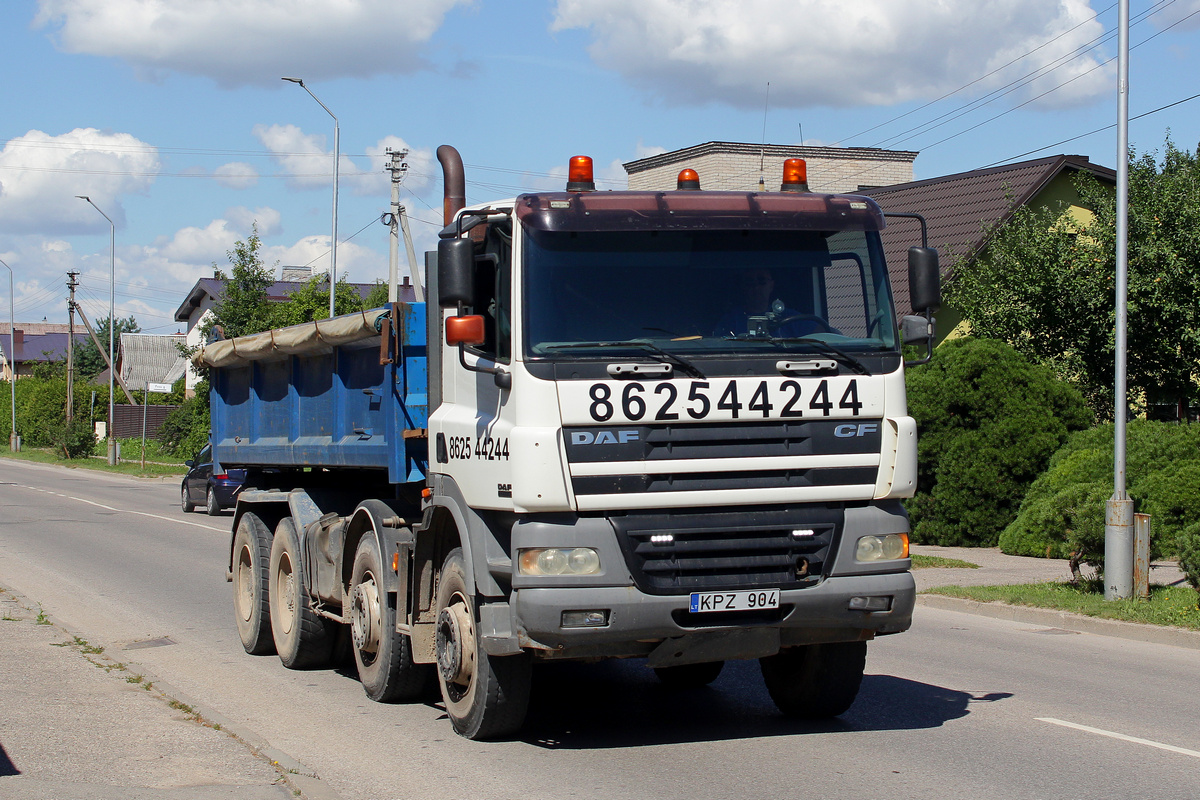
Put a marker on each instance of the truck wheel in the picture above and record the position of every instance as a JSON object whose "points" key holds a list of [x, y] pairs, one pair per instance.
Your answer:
{"points": [[211, 506], [383, 655], [251, 555], [485, 696], [690, 676], [816, 681], [184, 501], [303, 638]]}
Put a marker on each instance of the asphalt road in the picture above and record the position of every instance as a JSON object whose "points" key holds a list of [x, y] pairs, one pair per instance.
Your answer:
{"points": [[961, 706]]}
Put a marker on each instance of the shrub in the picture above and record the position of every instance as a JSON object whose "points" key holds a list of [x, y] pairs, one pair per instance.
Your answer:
{"points": [[76, 439], [989, 421], [1188, 544], [1063, 512], [185, 430]]}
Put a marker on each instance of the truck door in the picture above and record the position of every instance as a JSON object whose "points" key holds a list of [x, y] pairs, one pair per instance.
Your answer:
{"points": [[475, 419]]}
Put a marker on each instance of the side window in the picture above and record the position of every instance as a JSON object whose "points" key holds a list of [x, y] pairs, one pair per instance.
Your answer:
{"points": [[493, 289]]}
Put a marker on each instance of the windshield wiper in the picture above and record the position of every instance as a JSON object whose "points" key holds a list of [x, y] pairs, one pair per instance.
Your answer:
{"points": [[685, 366], [820, 344]]}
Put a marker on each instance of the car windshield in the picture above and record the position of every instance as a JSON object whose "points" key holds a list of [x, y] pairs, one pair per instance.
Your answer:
{"points": [[705, 292]]}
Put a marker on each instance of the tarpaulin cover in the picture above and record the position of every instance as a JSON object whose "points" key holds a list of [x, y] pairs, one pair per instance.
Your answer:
{"points": [[310, 338]]}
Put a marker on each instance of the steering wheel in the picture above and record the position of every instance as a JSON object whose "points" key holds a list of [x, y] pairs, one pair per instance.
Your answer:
{"points": [[875, 322], [779, 323]]}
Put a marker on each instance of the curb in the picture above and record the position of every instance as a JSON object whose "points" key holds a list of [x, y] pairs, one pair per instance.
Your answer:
{"points": [[109, 473], [296, 776], [1080, 623]]}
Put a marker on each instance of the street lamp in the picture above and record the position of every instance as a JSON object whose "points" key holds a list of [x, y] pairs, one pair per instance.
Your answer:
{"points": [[112, 323], [14, 441], [336, 157]]}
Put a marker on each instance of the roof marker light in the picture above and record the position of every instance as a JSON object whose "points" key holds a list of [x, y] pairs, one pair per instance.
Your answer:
{"points": [[579, 175], [688, 181], [795, 176]]}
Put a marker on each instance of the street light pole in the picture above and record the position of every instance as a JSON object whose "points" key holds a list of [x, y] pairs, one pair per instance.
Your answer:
{"points": [[336, 158], [1118, 512], [14, 441], [112, 324]]}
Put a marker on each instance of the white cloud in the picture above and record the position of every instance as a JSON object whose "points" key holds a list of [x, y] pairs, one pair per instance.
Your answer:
{"points": [[259, 40], [268, 220], [308, 165], [301, 156], [236, 175], [40, 175], [829, 52]]}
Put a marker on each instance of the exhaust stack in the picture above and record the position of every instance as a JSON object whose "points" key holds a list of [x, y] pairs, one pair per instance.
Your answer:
{"points": [[454, 182]]}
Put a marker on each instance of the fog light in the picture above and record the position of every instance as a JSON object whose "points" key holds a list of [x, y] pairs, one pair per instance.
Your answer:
{"points": [[871, 603], [888, 547], [585, 619], [558, 561]]}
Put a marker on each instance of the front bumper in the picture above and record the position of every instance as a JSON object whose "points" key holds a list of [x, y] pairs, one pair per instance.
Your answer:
{"points": [[661, 627]]}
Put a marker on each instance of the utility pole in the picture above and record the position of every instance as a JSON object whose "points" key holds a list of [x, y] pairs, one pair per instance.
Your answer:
{"points": [[71, 284], [399, 220], [1118, 512]]}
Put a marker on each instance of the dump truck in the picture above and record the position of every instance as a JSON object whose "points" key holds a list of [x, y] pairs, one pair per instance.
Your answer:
{"points": [[661, 425]]}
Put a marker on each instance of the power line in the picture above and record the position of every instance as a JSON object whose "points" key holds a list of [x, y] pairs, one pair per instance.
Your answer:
{"points": [[1089, 133], [977, 80], [1021, 82]]}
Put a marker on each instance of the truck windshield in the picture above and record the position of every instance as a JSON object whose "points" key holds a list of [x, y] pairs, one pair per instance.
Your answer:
{"points": [[705, 292]]}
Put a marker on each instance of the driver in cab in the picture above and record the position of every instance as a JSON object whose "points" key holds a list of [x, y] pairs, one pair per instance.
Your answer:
{"points": [[758, 313]]}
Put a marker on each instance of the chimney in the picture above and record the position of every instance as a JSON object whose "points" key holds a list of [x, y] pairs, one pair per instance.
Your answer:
{"points": [[18, 338]]}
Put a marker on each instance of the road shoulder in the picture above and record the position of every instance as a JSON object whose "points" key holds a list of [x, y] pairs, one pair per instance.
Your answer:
{"points": [[77, 723]]}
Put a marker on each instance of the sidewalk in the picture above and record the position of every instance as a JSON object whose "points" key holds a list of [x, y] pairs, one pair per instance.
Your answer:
{"points": [[76, 725], [996, 568]]}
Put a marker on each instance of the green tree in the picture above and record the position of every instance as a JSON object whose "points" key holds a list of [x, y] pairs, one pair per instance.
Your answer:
{"points": [[988, 422], [1046, 284], [311, 302], [243, 307], [378, 296], [89, 361]]}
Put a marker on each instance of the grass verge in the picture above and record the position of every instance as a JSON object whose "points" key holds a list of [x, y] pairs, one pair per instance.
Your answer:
{"points": [[1167, 605], [937, 562], [127, 466]]}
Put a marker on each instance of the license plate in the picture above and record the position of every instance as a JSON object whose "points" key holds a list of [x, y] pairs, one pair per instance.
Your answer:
{"points": [[702, 602]]}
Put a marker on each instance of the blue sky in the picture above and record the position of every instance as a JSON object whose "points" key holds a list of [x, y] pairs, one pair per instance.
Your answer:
{"points": [[172, 116]]}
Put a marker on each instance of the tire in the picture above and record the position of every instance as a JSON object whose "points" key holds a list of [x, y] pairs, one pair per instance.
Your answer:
{"points": [[486, 697], [690, 676], [210, 503], [303, 638], [817, 681], [251, 555], [382, 655], [185, 502]]}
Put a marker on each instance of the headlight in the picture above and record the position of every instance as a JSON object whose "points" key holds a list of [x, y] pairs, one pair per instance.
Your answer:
{"points": [[888, 547], [558, 561]]}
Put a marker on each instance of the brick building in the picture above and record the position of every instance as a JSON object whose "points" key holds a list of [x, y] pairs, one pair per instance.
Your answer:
{"points": [[737, 166]]}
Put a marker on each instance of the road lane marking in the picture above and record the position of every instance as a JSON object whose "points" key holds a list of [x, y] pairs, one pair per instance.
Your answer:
{"points": [[1110, 734], [122, 510]]}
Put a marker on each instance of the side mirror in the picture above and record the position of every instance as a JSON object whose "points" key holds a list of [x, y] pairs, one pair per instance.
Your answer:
{"points": [[924, 280], [189, 463], [465, 330], [916, 330], [456, 273]]}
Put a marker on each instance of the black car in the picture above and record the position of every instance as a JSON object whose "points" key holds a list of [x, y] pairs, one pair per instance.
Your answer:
{"points": [[206, 484]]}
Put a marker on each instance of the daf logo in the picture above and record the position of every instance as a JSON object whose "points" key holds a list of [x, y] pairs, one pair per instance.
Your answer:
{"points": [[861, 429], [604, 437]]}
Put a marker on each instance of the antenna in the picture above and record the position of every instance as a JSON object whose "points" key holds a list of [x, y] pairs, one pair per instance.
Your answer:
{"points": [[762, 150]]}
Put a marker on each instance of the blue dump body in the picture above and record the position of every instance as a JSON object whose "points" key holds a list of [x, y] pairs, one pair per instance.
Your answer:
{"points": [[334, 409]]}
